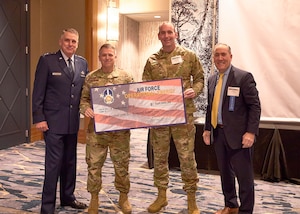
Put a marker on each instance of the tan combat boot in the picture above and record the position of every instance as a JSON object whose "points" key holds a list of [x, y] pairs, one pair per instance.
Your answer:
{"points": [[94, 204], [192, 206], [124, 203], [160, 202]]}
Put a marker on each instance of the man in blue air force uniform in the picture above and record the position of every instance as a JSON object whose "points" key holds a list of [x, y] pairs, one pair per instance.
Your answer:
{"points": [[55, 110]]}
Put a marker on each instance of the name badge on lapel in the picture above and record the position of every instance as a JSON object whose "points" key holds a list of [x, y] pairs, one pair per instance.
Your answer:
{"points": [[176, 60], [233, 91], [56, 73], [82, 74]]}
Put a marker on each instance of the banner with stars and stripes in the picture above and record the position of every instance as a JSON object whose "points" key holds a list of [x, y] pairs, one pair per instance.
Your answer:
{"points": [[138, 105]]}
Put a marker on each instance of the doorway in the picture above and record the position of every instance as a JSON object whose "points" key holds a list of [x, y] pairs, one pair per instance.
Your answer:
{"points": [[14, 73]]}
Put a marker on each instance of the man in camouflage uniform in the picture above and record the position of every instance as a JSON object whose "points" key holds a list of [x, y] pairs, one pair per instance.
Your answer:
{"points": [[98, 143], [174, 61]]}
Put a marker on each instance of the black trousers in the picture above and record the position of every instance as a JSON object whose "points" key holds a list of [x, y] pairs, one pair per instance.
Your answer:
{"points": [[60, 163], [235, 163]]}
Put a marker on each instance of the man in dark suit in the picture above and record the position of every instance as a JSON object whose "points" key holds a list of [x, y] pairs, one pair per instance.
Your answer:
{"points": [[232, 128], [55, 110]]}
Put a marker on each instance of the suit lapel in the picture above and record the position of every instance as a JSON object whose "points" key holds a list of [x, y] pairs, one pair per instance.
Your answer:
{"points": [[229, 80], [76, 67], [212, 87]]}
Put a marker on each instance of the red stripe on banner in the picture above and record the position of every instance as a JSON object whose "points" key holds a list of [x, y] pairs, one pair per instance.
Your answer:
{"points": [[104, 119], [161, 97], [155, 112]]}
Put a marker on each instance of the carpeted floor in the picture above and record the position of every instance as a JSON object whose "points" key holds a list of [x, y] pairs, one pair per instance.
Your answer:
{"points": [[21, 178]]}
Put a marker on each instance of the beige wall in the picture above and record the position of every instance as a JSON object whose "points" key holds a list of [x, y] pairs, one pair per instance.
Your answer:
{"points": [[128, 46], [137, 41], [143, 6], [148, 42], [47, 20]]}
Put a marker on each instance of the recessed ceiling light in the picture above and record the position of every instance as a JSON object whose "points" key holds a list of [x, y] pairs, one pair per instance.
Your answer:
{"points": [[157, 17]]}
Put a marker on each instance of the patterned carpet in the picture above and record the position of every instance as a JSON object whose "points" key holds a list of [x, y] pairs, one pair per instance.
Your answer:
{"points": [[21, 177]]}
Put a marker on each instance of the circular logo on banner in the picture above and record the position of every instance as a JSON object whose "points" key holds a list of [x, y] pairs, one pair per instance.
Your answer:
{"points": [[108, 96]]}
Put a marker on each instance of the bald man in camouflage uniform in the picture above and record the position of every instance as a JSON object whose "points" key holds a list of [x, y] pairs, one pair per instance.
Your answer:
{"points": [[174, 61], [98, 143]]}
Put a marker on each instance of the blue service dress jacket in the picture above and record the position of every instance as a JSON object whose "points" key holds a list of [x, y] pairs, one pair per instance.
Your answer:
{"points": [[56, 93]]}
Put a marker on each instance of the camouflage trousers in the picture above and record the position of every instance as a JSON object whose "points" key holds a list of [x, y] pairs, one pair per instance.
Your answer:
{"points": [[184, 140], [96, 153]]}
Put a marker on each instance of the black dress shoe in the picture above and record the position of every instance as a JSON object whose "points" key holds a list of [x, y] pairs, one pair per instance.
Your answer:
{"points": [[75, 204]]}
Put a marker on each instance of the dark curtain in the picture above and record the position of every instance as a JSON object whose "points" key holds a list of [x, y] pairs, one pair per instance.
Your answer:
{"points": [[275, 165]]}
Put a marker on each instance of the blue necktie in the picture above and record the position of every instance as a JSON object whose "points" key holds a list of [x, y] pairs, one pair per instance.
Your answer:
{"points": [[70, 66]]}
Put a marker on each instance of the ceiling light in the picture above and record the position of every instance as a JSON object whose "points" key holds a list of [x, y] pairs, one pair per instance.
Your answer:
{"points": [[112, 29]]}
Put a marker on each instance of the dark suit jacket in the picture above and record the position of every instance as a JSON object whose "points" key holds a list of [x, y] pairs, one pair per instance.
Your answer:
{"points": [[246, 114], [56, 95]]}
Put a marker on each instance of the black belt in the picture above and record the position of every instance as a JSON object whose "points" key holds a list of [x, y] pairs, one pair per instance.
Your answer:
{"points": [[221, 126]]}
